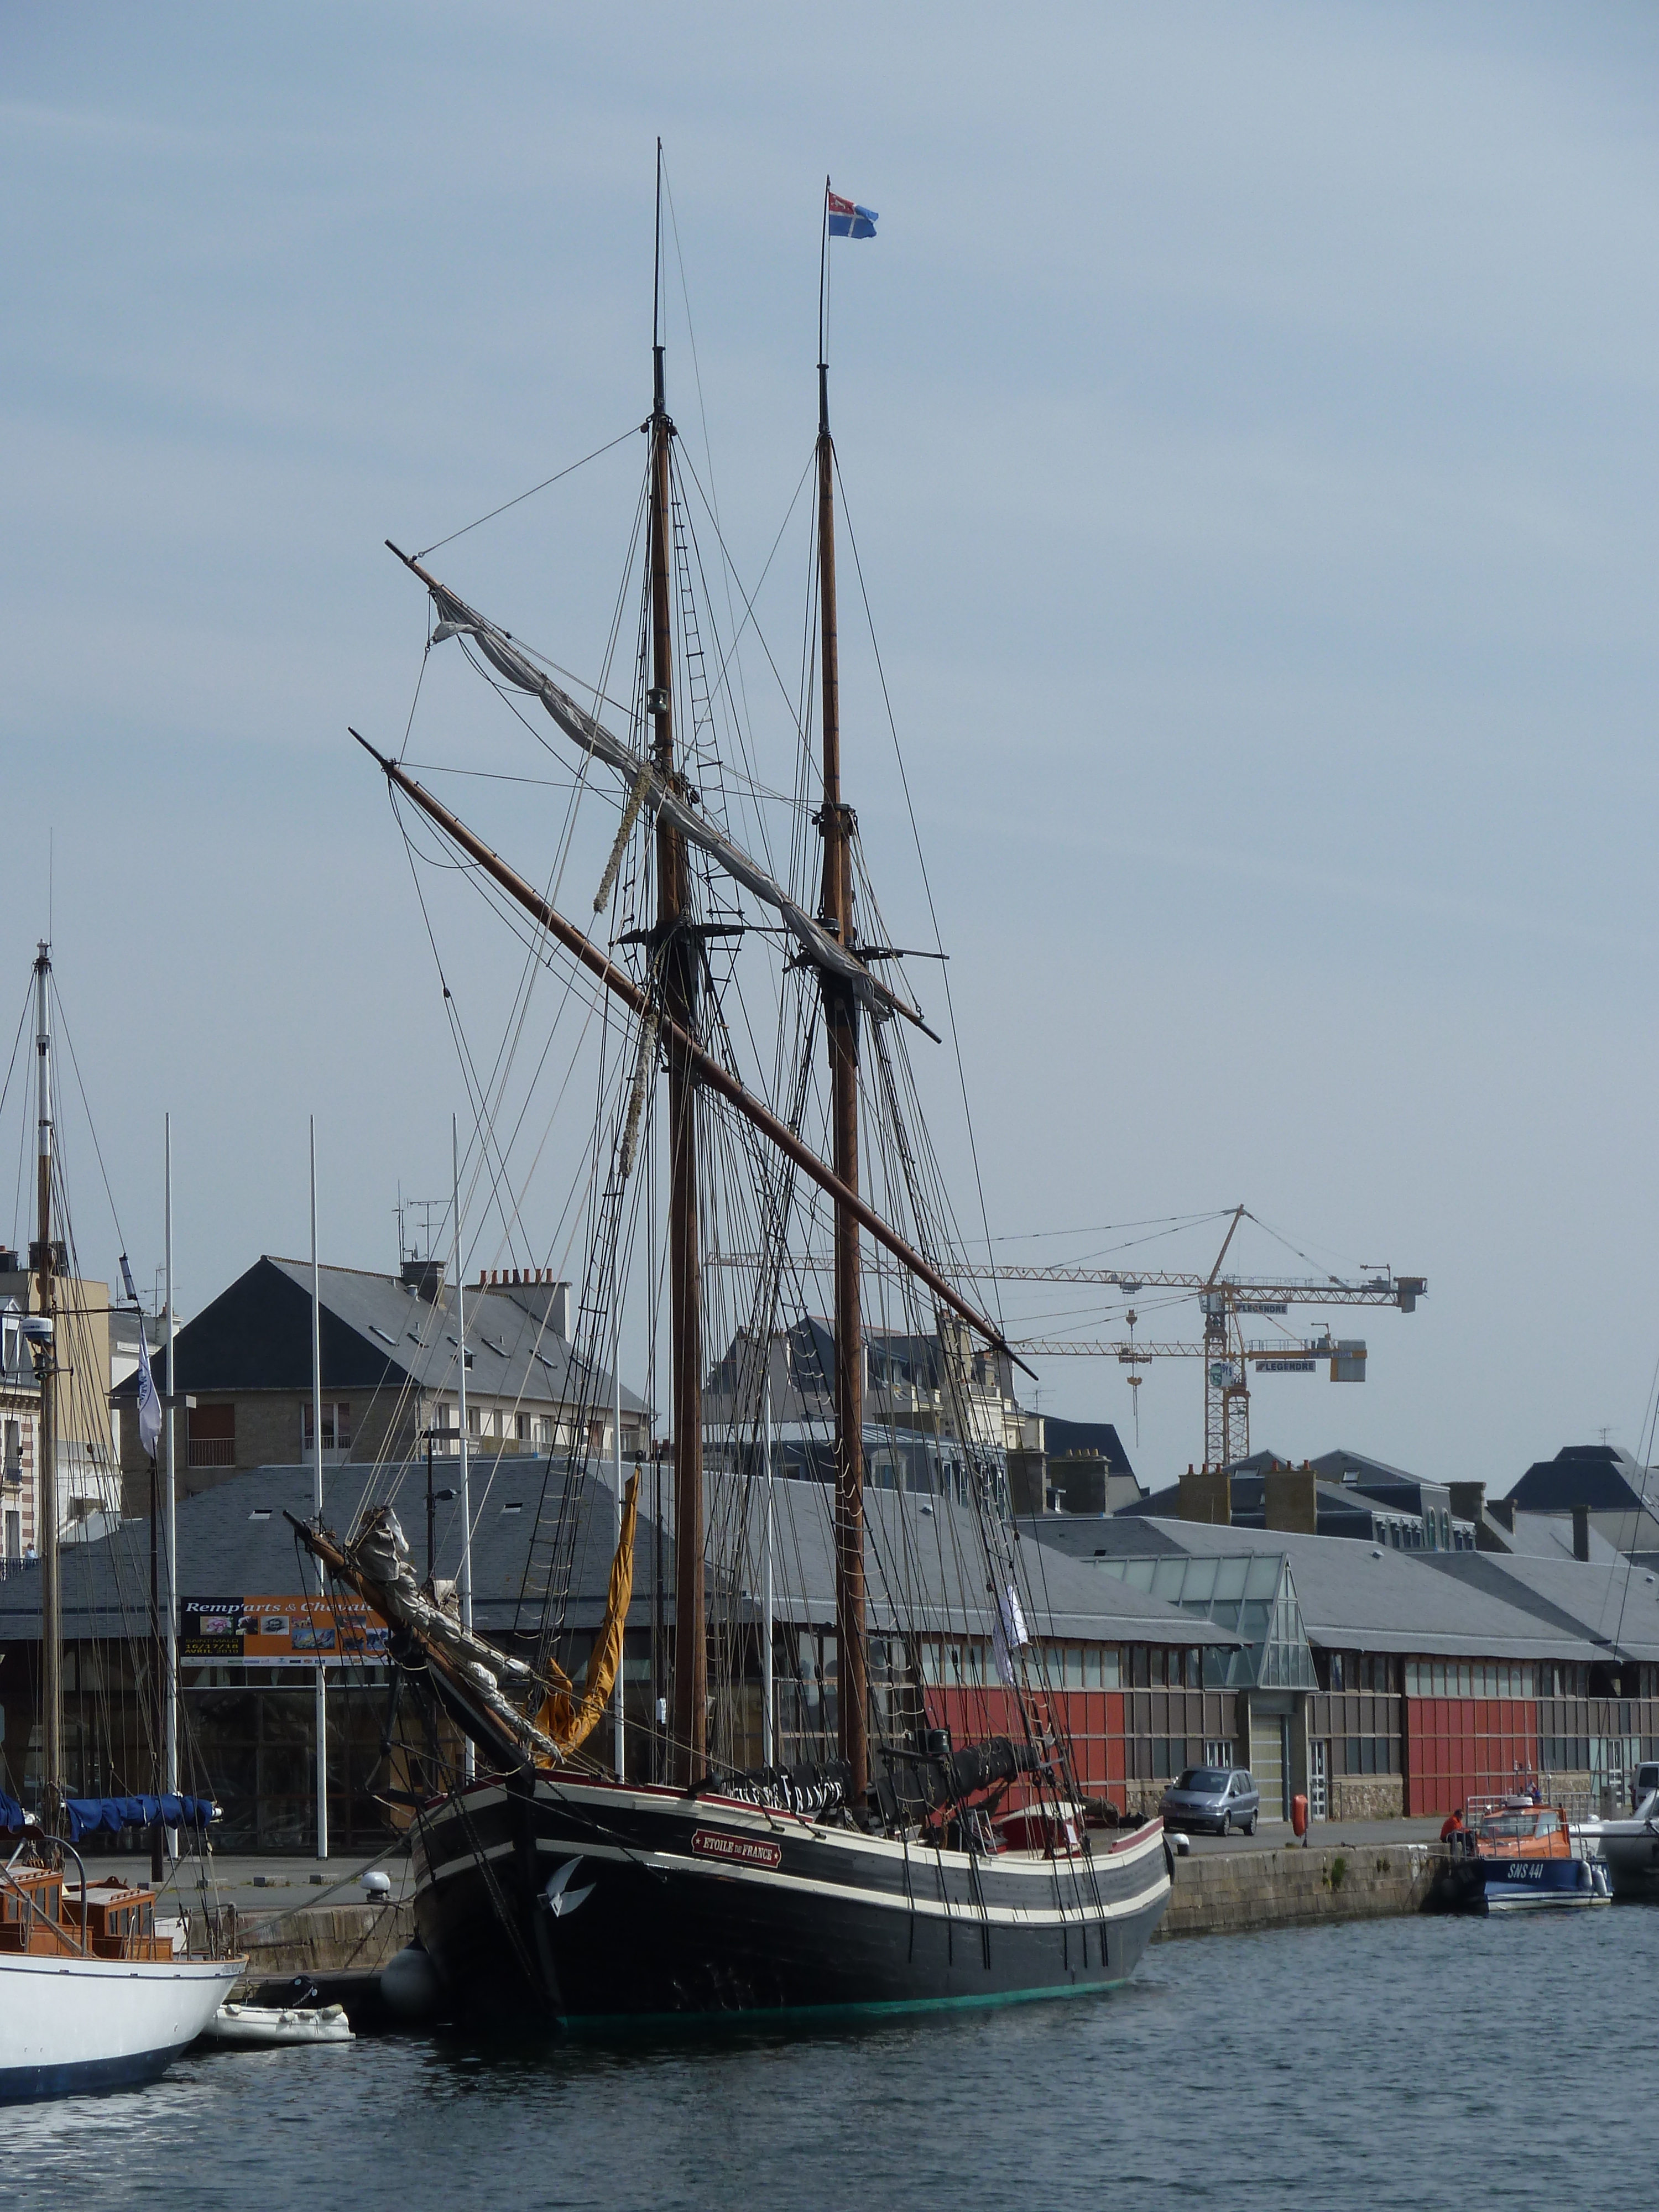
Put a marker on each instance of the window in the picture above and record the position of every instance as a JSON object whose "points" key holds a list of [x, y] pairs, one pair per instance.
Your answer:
{"points": [[211, 1436], [14, 1451], [474, 1421], [337, 1428]]}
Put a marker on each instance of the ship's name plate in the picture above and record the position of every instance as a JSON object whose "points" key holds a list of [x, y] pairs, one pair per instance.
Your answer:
{"points": [[746, 1850]]}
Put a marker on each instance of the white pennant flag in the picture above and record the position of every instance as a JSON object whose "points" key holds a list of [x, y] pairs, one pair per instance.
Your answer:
{"points": [[150, 1406]]}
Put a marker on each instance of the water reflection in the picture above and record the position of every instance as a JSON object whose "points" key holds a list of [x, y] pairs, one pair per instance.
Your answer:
{"points": [[1397, 2063]]}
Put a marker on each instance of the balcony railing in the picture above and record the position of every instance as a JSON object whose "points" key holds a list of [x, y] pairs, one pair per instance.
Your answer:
{"points": [[212, 1451]]}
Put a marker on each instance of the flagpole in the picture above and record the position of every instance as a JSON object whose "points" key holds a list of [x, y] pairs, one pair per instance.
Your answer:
{"points": [[823, 266], [317, 1491]]}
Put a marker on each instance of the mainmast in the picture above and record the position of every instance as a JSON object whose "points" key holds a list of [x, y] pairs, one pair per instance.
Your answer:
{"points": [[676, 958], [44, 1259], [841, 1024]]}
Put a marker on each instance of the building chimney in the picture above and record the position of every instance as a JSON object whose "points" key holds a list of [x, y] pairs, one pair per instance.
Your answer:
{"points": [[1502, 1510], [1289, 1502], [1581, 1531], [424, 1277], [1207, 1496]]}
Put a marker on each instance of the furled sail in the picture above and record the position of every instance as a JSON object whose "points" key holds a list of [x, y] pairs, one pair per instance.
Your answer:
{"points": [[567, 1719], [457, 619], [376, 1564]]}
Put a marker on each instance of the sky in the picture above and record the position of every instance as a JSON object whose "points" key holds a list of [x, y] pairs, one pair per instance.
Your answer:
{"points": [[1245, 416]]}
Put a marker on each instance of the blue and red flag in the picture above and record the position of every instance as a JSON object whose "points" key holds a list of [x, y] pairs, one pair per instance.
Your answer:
{"points": [[846, 220]]}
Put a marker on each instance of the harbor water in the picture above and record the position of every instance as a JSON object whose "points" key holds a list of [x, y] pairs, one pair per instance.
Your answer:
{"points": [[1398, 2063]]}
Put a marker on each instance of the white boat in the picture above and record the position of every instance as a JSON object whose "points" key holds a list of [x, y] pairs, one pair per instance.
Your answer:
{"points": [[1630, 1849], [260, 2027], [71, 2025]]}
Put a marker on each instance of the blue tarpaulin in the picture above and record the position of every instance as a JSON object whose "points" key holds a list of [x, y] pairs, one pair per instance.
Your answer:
{"points": [[93, 1816], [11, 1814]]}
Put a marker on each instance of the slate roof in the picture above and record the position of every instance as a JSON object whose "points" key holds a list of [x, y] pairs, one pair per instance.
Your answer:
{"points": [[1062, 1439], [1549, 1536], [377, 1334], [234, 1542], [1609, 1602], [925, 1568], [1368, 1597], [1603, 1477]]}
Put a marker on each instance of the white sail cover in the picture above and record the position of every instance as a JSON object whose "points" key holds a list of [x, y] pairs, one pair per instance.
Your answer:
{"points": [[457, 619]]}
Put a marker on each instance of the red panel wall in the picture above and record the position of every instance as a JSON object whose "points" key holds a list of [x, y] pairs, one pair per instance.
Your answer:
{"points": [[1462, 1747], [1093, 1718]]}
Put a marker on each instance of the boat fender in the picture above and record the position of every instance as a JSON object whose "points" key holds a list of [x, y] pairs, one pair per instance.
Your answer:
{"points": [[410, 1986]]}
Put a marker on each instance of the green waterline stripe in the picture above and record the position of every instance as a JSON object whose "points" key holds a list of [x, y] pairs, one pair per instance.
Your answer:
{"points": [[584, 2026]]}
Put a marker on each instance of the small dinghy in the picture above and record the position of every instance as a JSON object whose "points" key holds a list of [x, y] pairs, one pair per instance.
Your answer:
{"points": [[259, 2026]]}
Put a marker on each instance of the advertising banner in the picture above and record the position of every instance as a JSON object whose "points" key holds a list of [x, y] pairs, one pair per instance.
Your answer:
{"points": [[280, 1631]]}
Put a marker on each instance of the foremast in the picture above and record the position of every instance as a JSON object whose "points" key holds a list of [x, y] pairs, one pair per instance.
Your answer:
{"points": [[840, 1015], [676, 949]]}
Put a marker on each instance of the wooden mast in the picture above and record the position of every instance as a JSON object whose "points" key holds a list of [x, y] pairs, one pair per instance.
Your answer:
{"points": [[677, 951], [711, 1074], [51, 1601], [840, 1016]]}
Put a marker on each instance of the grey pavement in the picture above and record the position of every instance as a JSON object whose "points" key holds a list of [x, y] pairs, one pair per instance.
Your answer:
{"points": [[1322, 1835], [252, 1884]]}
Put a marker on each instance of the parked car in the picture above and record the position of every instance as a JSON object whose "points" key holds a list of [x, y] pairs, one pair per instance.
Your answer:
{"points": [[1219, 1797]]}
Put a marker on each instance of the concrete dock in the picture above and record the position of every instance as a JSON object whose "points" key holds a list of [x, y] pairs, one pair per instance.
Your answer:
{"points": [[1348, 1870]]}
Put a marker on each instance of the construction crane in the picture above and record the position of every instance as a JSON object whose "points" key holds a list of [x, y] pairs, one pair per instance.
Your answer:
{"points": [[1227, 1301]]}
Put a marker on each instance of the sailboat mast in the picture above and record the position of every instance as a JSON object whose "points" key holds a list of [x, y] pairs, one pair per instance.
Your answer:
{"points": [[677, 953], [841, 1026], [52, 1595]]}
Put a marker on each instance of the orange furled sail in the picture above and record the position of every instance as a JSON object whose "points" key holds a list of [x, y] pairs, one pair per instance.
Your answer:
{"points": [[569, 1720]]}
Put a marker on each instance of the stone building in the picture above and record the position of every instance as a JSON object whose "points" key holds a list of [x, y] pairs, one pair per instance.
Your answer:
{"points": [[88, 1485], [391, 1371]]}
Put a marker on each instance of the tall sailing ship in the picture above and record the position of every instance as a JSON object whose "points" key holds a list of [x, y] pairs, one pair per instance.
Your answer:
{"points": [[93, 1994], [873, 1857]]}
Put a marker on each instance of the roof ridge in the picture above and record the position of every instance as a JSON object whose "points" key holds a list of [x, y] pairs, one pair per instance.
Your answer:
{"points": [[333, 1268]]}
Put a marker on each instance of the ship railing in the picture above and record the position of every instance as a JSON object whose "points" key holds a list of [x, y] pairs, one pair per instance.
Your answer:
{"points": [[64, 1934]]}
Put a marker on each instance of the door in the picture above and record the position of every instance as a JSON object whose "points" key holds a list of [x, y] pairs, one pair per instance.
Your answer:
{"points": [[1268, 1763], [1318, 1801]]}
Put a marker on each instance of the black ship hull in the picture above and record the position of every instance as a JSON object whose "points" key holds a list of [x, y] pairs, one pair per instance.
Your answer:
{"points": [[599, 1908]]}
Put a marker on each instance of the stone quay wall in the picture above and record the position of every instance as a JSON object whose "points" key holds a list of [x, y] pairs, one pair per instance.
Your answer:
{"points": [[1227, 1893]]}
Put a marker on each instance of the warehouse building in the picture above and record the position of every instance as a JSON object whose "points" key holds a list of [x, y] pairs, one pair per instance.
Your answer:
{"points": [[1424, 1677]]}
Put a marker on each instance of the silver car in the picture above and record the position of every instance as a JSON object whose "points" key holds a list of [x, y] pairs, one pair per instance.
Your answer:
{"points": [[1219, 1797]]}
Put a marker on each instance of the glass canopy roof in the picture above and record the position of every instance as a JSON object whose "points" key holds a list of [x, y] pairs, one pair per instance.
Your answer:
{"points": [[1253, 1593]]}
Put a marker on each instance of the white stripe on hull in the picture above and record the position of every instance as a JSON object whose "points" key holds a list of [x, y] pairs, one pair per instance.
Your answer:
{"points": [[923, 1860], [1012, 1916]]}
